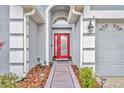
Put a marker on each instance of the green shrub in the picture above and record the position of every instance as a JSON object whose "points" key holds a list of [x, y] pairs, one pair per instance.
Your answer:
{"points": [[88, 80], [8, 80]]}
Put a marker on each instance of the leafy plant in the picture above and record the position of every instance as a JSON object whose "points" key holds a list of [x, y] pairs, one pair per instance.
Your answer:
{"points": [[88, 80], [8, 80]]}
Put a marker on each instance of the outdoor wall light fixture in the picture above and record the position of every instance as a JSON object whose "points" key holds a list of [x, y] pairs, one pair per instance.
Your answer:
{"points": [[40, 61], [90, 27]]}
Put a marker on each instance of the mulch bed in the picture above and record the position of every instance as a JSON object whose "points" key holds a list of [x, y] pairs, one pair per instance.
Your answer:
{"points": [[76, 71], [36, 77]]}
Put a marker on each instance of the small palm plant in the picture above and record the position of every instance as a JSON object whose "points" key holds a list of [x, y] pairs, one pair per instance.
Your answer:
{"points": [[88, 80]]}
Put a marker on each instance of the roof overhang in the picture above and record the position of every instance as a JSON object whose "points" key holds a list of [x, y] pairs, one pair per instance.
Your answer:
{"points": [[37, 17], [72, 18]]}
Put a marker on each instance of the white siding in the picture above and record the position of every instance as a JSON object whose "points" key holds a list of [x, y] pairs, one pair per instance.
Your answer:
{"points": [[16, 42], [16, 69], [16, 12], [16, 27], [89, 42], [16, 39], [16, 57], [89, 56]]}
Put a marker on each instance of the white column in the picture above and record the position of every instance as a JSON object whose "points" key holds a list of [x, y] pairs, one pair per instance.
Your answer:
{"points": [[16, 39], [88, 44], [81, 33], [81, 40], [47, 37], [26, 15]]}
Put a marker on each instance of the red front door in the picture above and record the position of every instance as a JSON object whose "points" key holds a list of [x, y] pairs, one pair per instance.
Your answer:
{"points": [[61, 45]]}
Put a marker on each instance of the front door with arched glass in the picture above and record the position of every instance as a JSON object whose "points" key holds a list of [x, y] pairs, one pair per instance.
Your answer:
{"points": [[61, 45]]}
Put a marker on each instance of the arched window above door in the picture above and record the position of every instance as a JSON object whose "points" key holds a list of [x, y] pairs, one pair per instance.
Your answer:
{"points": [[60, 21]]}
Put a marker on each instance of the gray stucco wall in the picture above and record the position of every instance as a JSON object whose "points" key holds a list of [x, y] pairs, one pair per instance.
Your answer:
{"points": [[41, 42], [37, 43], [76, 43], [32, 43], [4, 35], [50, 37]]}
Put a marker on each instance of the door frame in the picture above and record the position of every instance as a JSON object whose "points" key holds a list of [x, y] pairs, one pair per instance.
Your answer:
{"points": [[59, 48], [61, 29]]}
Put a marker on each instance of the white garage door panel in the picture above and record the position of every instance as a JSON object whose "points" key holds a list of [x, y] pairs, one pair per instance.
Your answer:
{"points": [[110, 70], [109, 55], [110, 43], [110, 49], [109, 62], [110, 33]]}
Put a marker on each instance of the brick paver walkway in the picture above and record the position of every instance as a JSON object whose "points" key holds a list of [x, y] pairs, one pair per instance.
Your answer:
{"points": [[62, 76]]}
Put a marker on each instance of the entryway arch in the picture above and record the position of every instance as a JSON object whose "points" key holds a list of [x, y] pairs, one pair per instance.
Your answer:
{"points": [[50, 11]]}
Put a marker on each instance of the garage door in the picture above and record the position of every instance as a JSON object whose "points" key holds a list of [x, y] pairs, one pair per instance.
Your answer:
{"points": [[110, 48]]}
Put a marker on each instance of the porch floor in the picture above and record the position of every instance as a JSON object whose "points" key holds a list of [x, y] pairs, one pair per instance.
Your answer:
{"points": [[62, 76]]}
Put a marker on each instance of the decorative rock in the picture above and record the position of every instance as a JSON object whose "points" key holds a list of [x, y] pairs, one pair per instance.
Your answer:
{"points": [[36, 77]]}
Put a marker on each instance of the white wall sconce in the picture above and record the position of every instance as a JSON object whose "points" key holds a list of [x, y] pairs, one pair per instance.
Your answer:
{"points": [[90, 27], [40, 61]]}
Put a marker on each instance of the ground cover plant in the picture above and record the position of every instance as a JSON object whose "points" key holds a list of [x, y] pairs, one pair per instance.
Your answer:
{"points": [[8, 80]]}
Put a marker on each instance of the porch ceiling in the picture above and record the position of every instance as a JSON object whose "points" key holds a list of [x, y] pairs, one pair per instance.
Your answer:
{"points": [[38, 17], [60, 8]]}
